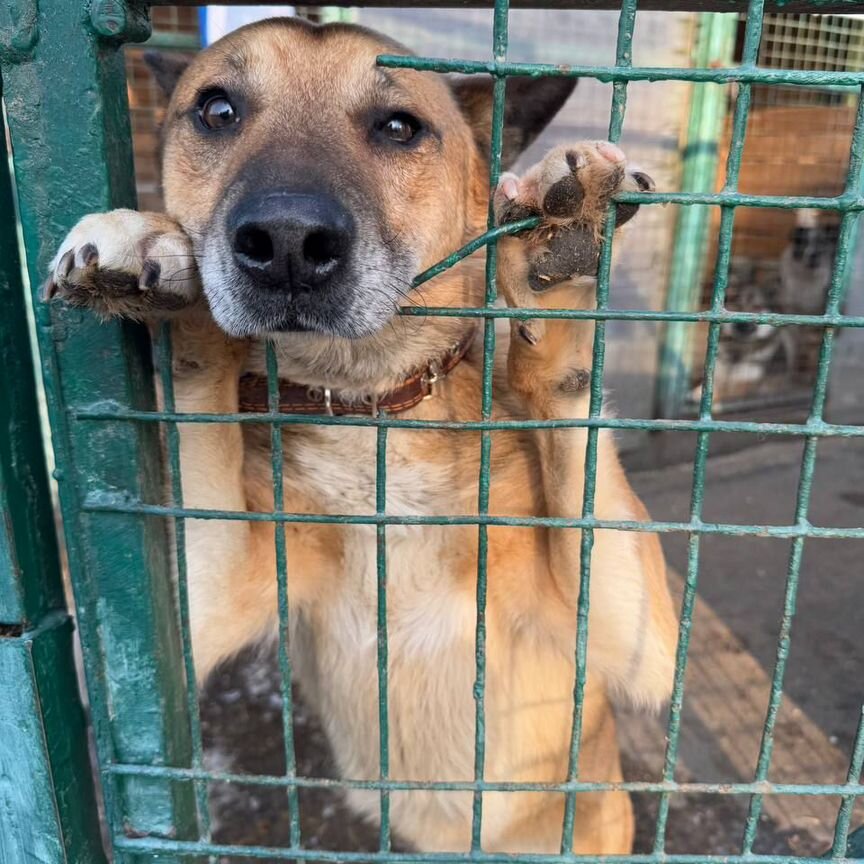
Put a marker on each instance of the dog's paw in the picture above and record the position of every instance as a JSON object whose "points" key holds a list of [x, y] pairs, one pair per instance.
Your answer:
{"points": [[125, 264], [570, 191]]}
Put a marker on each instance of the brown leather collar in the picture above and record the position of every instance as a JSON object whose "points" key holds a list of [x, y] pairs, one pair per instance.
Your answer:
{"points": [[299, 399]]}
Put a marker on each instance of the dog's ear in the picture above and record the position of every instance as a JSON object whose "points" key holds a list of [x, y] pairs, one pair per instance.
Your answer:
{"points": [[166, 68], [530, 104]]}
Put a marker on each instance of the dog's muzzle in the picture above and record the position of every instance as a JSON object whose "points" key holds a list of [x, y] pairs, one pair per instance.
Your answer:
{"points": [[291, 242]]}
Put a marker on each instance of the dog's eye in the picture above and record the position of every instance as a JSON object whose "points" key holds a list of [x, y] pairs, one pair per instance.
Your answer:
{"points": [[217, 112], [400, 127]]}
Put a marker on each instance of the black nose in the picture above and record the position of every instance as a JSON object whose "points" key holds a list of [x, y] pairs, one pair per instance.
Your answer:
{"points": [[290, 240], [745, 328]]}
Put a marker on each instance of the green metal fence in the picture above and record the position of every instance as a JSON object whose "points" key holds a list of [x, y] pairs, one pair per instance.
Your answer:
{"points": [[64, 95]]}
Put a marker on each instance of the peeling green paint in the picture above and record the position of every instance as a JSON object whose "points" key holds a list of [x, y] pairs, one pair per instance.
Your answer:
{"points": [[47, 803], [67, 113]]}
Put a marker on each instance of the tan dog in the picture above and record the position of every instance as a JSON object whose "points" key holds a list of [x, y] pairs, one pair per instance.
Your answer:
{"points": [[307, 187]]}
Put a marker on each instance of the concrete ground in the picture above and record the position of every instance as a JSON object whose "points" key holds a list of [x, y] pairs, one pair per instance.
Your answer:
{"points": [[733, 650]]}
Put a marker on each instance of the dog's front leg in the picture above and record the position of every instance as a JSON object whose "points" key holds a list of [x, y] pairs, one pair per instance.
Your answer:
{"points": [[550, 367], [553, 266], [126, 264]]}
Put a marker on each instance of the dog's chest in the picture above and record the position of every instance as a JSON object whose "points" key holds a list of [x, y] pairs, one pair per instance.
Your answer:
{"points": [[429, 608], [336, 472]]}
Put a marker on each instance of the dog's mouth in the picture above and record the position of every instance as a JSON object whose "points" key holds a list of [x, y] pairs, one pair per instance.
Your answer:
{"points": [[351, 308], [289, 261], [749, 331]]}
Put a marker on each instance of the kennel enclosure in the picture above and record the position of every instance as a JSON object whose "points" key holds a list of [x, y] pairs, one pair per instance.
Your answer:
{"points": [[64, 93]]}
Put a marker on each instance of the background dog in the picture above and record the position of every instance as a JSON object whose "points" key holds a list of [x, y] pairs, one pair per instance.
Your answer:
{"points": [[305, 187], [762, 357]]}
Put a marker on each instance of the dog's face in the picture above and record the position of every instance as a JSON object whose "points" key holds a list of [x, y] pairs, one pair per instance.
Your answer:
{"points": [[315, 185]]}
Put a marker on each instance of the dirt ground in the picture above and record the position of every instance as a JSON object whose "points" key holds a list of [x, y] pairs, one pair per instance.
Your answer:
{"points": [[243, 728]]}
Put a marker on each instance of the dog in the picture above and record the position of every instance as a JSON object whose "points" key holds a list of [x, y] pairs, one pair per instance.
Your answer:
{"points": [[305, 188], [758, 358], [807, 263], [753, 357]]}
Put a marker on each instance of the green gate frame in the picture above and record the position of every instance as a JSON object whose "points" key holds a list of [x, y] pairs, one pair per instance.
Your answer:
{"points": [[44, 767], [64, 93]]}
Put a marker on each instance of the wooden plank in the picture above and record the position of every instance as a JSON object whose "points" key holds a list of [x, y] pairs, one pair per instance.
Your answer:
{"points": [[727, 694]]}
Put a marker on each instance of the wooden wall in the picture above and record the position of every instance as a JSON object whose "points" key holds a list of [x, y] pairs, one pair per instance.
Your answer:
{"points": [[800, 150]]}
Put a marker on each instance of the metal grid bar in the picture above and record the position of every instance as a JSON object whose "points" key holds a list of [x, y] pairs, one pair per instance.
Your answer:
{"points": [[499, 52], [382, 646], [626, 25], [788, 6], [108, 503], [608, 74], [821, 428], [285, 676], [752, 37], [155, 847], [840, 847], [694, 788], [166, 363], [848, 228]]}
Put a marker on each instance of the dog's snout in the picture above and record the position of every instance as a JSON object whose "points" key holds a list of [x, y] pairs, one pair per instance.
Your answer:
{"points": [[291, 241]]}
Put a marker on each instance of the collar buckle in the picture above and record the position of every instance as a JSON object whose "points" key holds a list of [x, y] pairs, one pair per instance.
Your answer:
{"points": [[302, 399], [370, 400], [431, 377], [321, 394]]}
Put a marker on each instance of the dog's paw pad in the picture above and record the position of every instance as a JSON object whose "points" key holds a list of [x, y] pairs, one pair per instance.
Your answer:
{"points": [[569, 191], [87, 256], [568, 250], [576, 182], [121, 264], [575, 381], [150, 273]]}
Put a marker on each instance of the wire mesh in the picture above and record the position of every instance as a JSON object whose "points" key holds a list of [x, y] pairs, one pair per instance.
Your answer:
{"points": [[786, 71], [797, 141], [803, 41]]}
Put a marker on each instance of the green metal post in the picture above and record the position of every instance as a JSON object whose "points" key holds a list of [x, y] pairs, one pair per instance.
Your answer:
{"points": [[47, 803], [715, 42], [30, 586], [65, 99]]}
